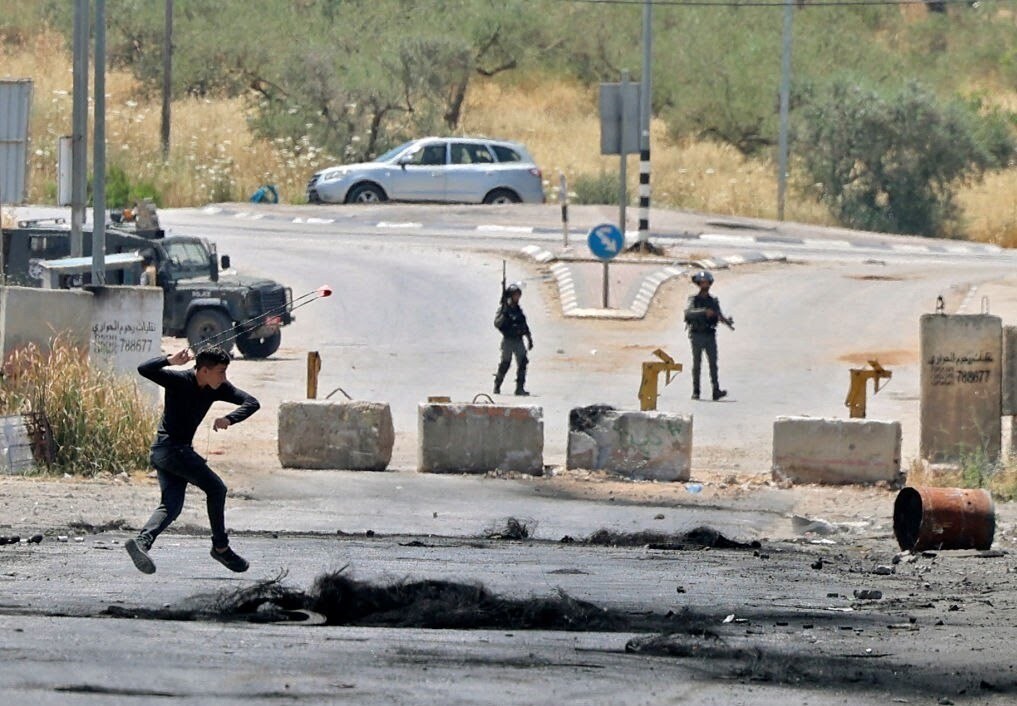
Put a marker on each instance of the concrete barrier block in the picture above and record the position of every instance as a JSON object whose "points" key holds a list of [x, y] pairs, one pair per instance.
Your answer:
{"points": [[356, 436], [476, 438], [836, 451], [646, 445], [961, 381]]}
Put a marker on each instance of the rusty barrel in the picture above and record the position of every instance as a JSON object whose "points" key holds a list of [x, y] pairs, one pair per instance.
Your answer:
{"points": [[943, 518]]}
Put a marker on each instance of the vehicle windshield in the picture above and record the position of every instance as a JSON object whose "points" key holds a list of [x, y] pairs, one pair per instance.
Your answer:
{"points": [[390, 155], [187, 255]]}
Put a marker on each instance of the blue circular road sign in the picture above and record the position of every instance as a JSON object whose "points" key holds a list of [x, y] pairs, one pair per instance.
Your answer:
{"points": [[606, 241]]}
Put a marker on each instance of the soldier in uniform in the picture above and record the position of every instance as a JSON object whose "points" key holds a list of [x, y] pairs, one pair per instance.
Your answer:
{"points": [[511, 321], [702, 314], [149, 276]]}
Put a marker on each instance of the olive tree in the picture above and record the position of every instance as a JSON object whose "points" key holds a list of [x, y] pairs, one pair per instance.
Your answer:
{"points": [[891, 162]]}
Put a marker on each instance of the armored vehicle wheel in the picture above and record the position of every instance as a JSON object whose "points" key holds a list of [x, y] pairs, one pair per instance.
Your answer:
{"points": [[207, 324], [259, 347]]}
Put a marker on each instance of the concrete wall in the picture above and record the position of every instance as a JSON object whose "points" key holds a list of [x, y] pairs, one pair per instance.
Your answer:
{"points": [[961, 386], [126, 329], [30, 315], [355, 436], [813, 450], [647, 445], [472, 438]]}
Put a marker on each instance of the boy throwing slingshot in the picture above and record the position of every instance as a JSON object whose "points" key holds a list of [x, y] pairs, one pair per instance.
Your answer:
{"points": [[189, 395]]}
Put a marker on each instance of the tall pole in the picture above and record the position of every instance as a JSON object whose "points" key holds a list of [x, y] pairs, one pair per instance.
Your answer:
{"points": [[167, 78], [79, 127], [99, 150], [785, 101], [623, 198], [644, 132]]}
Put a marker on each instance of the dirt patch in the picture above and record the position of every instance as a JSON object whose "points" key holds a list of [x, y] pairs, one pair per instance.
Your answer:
{"points": [[732, 657], [897, 356], [876, 278]]}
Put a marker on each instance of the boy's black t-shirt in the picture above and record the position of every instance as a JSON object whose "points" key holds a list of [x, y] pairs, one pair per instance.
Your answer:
{"points": [[187, 403]]}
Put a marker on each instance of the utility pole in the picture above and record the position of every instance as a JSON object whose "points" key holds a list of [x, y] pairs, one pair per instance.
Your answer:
{"points": [[167, 78], [623, 198], [644, 135], [99, 150], [785, 105], [79, 128]]}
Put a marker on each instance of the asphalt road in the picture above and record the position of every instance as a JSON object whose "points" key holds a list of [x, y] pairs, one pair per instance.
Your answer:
{"points": [[762, 626], [412, 317], [414, 305]]}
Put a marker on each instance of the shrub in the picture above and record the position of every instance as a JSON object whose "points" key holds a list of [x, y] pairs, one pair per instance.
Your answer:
{"points": [[893, 163], [100, 420], [120, 192], [600, 188]]}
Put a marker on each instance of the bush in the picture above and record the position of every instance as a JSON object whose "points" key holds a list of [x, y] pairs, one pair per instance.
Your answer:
{"points": [[120, 192], [892, 163], [600, 188], [100, 421]]}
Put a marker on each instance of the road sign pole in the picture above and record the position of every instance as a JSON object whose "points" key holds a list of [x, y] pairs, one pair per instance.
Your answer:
{"points": [[622, 197], [645, 105], [785, 101], [563, 198], [605, 241], [606, 283]]}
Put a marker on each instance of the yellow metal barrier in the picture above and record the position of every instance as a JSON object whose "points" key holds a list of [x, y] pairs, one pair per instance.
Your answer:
{"points": [[856, 393], [651, 370]]}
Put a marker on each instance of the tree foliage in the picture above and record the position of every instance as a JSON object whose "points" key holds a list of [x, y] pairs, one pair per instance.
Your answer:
{"points": [[350, 78], [891, 162]]}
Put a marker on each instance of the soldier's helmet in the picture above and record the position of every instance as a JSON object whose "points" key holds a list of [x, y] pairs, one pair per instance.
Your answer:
{"points": [[702, 276], [513, 288]]}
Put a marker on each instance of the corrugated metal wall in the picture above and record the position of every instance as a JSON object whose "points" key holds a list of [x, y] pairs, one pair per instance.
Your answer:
{"points": [[15, 103]]}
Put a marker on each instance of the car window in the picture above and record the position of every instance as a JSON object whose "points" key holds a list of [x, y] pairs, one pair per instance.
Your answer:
{"points": [[392, 152], [187, 255], [430, 155], [506, 154], [469, 153]]}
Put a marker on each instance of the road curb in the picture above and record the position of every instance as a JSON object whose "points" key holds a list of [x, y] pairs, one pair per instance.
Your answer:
{"points": [[651, 283]]}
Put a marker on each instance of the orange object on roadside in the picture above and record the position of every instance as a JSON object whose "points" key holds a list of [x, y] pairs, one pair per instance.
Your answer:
{"points": [[943, 518]]}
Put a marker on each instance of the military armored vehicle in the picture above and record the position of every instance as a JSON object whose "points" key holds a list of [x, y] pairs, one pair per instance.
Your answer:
{"points": [[200, 299]]}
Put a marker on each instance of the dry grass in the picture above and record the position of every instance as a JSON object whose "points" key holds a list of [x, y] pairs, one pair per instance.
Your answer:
{"points": [[999, 479], [214, 157], [100, 421], [558, 122]]}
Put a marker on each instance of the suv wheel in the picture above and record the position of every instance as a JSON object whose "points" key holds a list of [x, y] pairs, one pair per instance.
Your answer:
{"points": [[500, 196], [259, 347], [207, 324], [365, 193]]}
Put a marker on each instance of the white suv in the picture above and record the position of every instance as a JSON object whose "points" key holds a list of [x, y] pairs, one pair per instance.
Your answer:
{"points": [[438, 169]]}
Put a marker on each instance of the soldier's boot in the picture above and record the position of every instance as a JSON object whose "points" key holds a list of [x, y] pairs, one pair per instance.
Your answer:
{"points": [[695, 388], [718, 393], [521, 381], [499, 376]]}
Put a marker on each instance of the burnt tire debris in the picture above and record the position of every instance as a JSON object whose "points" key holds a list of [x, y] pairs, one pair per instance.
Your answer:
{"points": [[337, 599]]}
